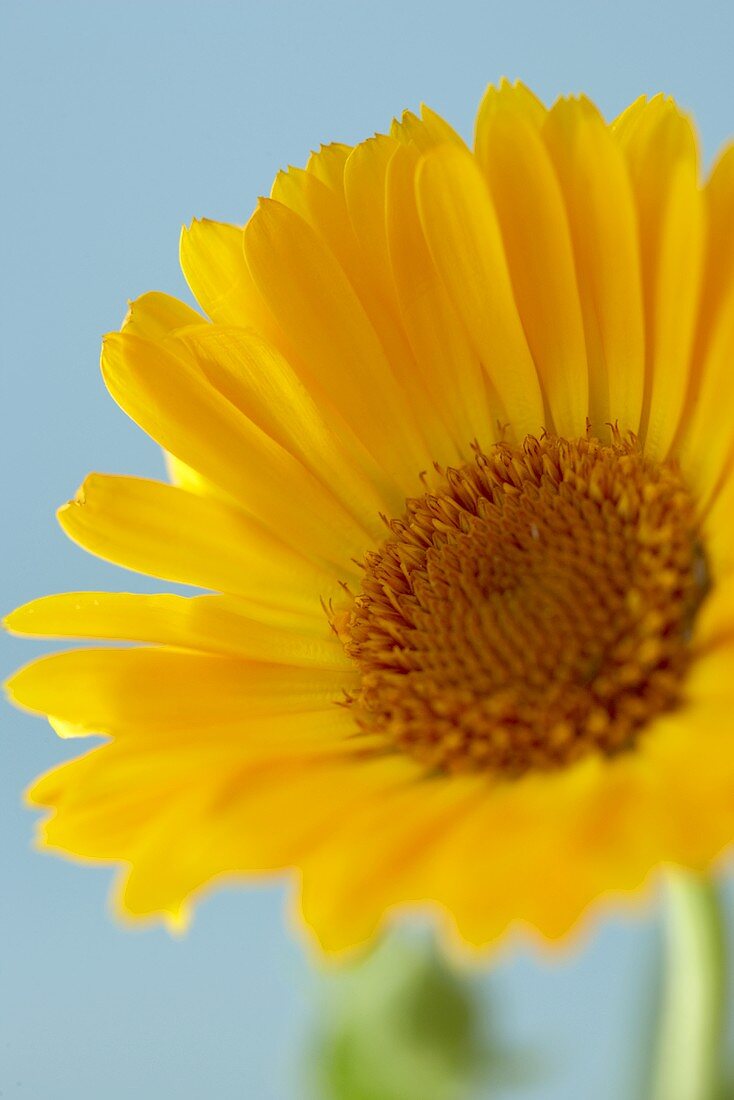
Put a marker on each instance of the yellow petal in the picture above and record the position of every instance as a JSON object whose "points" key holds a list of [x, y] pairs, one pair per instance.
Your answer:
{"points": [[191, 480], [463, 235], [715, 618], [419, 843], [291, 735], [170, 399], [352, 223], [586, 818], [718, 529], [214, 624], [175, 535], [106, 691], [260, 382], [448, 363], [178, 828], [265, 819], [328, 165], [364, 262], [426, 132], [365, 189], [213, 262], [718, 274], [322, 208], [707, 439], [537, 240], [601, 213], [365, 172], [661, 150], [98, 811], [524, 103], [627, 119], [720, 203], [345, 901], [709, 680], [311, 298], [690, 760], [155, 315]]}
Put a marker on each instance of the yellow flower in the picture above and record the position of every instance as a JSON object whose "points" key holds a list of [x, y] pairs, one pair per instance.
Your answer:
{"points": [[453, 452]]}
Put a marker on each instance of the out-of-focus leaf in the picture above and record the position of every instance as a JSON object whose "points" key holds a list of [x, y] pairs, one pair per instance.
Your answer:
{"points": [[401, 1025]]}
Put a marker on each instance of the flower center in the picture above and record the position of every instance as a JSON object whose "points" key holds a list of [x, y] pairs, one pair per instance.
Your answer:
{"points": [[535, 607]]}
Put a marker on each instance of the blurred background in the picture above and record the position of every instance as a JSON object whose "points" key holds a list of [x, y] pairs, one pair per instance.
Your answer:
{"points": [[121, 121]]}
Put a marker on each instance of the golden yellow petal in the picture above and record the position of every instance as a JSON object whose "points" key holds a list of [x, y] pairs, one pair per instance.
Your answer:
{"points": [[365, 187], [262, 819], [601, 213], [715, 618], [611, 822], [176, 535], [213, 261], [660, 147], [345, 901], [363, 261], [689, 757], [365, 172], [463, 235], [292, 736], [707, 438], [169, 397], [627, 119], [238, 811], [98, 812], [524, 103], [190, 479], [328, 165], [108, 691], [259, 381], [448, 363], [417, 846], [537, 239], [426, 132], [350, 217], [155, 315], [718, 276], [310, 296], [710, 678], [718, 529], [322, 208], [366, 267], [527, 831], [213, 624]]}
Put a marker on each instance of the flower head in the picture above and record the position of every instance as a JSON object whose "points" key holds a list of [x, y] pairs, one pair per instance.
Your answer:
{"points": [[452, 453]]}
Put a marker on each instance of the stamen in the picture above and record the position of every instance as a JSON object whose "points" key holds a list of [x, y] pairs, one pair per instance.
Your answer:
{"points": [[534, 607]]}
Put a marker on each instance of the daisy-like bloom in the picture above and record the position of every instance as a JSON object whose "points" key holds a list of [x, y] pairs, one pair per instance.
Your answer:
{"points": [[452, 449]]}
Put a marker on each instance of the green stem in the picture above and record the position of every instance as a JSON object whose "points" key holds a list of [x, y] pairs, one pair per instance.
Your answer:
{"points": [[689, 1063]]}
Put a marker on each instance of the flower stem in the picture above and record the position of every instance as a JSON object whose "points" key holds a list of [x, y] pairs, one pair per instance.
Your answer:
{"points": [[689, 1062]]}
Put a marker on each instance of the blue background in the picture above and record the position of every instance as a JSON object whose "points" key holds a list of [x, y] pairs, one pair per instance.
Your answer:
{"points": [[120, 121]]}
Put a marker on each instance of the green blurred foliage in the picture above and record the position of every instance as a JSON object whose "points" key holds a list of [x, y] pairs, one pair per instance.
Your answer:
{"points": [[402, 1025]]}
